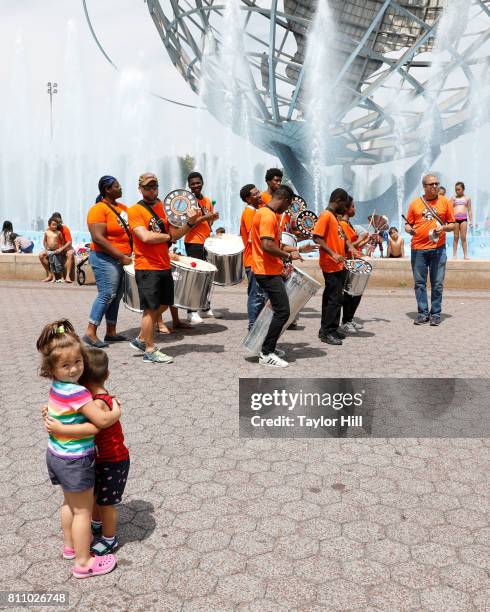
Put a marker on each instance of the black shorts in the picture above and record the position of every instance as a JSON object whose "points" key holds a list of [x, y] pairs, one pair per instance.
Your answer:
{"points": [[155, 288], [110, 482], [195, 250]]}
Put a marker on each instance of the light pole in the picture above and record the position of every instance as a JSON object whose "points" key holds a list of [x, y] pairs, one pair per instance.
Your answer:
{"points": [[52, 90]]}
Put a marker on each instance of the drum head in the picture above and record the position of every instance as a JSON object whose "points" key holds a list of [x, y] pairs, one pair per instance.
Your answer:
{"points": [[358, 266], [177, 205], [297, 206], [289, 239], [227, 244], [305, 222], [190, 263]]}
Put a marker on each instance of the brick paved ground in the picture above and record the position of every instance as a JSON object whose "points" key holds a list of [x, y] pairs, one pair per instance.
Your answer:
{"points": [[211, 522]]}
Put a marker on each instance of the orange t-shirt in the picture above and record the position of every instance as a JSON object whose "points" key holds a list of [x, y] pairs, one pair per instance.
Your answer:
{"points": [[266, 197], [285, 222], [66, 234], [202, 230], [328, 228], [149, 256], [423, 221], [246, 221], [349, 231], [115, 232], [265, 225]]}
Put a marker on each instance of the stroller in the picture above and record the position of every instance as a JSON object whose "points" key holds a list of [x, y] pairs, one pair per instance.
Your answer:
{"points": [[81, 256]]}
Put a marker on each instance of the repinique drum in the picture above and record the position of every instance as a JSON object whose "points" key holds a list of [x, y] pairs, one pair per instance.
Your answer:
{"points": [[193, 282], [178, 204], [289, 239], [131, 296], [226, 253], [359, 273], [305, 222], [300, 288]]}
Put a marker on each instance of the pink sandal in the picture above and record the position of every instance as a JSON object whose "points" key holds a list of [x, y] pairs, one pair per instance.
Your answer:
{"points": [[100, 566], [68, 553]]}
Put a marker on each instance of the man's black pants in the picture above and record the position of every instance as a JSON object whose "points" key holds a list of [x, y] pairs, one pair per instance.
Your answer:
{"points": [[275, 289], [333, 297]]}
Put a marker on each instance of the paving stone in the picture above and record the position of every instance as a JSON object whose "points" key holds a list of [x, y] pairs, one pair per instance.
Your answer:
{"points": [[192, 583], [240, 588], [222, 562], [209, 539], [445, 598], [291, 592]]}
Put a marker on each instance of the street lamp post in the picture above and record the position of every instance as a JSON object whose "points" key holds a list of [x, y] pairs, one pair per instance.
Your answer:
{"points": [[52, 90]]}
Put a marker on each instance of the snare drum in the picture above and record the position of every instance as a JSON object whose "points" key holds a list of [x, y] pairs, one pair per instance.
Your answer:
{"points": [[359, 272], [131, 297], [289, 239], [193, 282], [226, 253]]}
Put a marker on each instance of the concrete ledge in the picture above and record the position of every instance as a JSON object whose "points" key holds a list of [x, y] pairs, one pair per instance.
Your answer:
{"points": [[24, 266], [460, 274]]}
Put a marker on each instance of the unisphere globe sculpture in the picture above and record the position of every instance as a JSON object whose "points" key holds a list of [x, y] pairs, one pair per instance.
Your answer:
{"points": [[395, 96]]}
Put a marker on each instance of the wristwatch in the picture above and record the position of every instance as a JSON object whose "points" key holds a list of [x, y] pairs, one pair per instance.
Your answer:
{"points": [[190, 224]]}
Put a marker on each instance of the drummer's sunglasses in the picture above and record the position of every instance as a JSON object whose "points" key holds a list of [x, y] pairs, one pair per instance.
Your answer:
{"points": [[431, 184], [150, 187]]}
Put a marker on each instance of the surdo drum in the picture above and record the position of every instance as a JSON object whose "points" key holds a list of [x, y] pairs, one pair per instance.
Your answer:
{"points": [[359, 272], [177, 205], [193, 281], [300, 288], [226, 253]]}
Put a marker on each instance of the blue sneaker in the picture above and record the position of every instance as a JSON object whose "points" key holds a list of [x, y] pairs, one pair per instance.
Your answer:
{"points": [[157, 356], [138, 344], [421, 319], [435, 321], [103, 547]]}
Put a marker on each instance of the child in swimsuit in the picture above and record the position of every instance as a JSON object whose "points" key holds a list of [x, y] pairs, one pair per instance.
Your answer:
{"points": [[462, 214]]}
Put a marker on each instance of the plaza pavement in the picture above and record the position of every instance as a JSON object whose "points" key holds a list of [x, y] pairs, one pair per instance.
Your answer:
{"points": [[212, 522]]}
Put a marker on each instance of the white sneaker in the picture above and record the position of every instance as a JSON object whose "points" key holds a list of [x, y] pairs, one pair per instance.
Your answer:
{"points": [[358, 326], [280, 353], [272, 360], [194, 318], [207, 314], [349, 328]]}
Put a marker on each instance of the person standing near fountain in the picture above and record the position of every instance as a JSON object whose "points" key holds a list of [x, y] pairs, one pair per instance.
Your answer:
{"points": [[152, 235], [256, 299], [67, 251], [273, 178], [110, 250], [268, 260], [333, 244], [194, 240], [462, 215], [428, 219]]}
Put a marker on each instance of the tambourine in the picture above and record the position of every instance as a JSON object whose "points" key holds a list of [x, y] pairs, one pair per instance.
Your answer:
{"points": [[297, 205], [305, 222], [177, 205]]}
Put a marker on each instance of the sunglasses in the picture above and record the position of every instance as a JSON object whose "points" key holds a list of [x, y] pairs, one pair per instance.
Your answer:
{"points": [[149, 187], [431, 184]]}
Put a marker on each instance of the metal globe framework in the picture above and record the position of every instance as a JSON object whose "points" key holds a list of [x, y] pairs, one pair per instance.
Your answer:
{"points": [[384, 47]]}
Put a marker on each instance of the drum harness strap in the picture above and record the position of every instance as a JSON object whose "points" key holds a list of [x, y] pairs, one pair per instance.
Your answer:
{"points": [[160, 221], [123, 222], [432, 211]]}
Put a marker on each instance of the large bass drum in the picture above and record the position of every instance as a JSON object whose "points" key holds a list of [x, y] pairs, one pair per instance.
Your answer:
{"points": [[359, 273], [193, 282], [226, 253], [300, 288], [131, 296]]}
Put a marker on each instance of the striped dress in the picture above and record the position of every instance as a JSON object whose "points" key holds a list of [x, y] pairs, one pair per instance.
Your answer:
{"points": [[64, 403]]}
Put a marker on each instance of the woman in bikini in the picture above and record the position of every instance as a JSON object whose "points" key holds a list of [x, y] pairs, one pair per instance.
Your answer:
{"points": [[462, 214]]}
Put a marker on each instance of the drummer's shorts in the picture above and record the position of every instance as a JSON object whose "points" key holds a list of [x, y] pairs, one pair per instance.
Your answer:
{"points": [[155, 288]]}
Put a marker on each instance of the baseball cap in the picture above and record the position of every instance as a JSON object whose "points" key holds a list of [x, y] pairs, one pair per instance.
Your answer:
{"points": [[146, 178]]}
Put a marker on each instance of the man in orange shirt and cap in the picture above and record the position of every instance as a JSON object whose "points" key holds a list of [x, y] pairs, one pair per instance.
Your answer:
{"points": [[429, 217]]}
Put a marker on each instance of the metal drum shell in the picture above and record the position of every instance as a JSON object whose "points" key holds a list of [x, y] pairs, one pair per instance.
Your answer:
{"points": [[192, 286], [289, 239], [356, 283], [131, 297], [229, 266], [300, 288]]}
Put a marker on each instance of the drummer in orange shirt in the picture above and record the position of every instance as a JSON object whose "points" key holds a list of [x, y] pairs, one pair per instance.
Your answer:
{"points": [[194, 240], [256, 298], [332, 241], [152, 234], [268, 260], [351, 302], [430, 212], [273, 178]]}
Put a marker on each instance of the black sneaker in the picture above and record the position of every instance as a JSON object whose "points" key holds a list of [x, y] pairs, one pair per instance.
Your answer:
{"points": [[340, 334], [421, 319], [331, 339], [435, 321]]}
